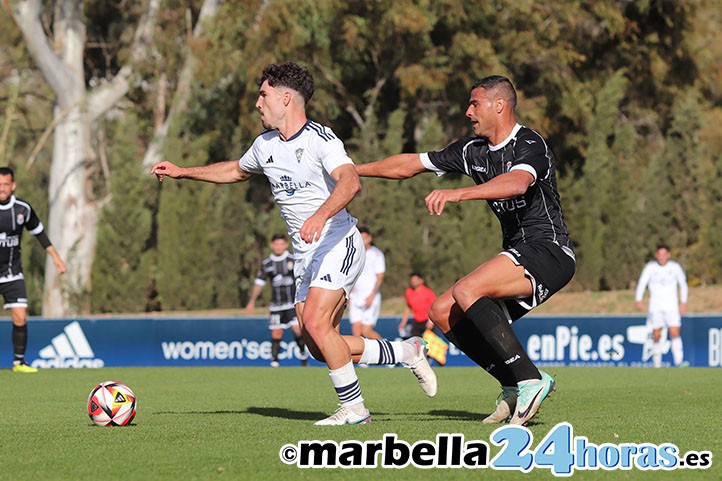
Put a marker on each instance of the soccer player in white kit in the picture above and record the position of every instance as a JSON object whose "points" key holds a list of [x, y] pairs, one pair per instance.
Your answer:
{"points": [[313, 180], [365, 302], [663, 276]]}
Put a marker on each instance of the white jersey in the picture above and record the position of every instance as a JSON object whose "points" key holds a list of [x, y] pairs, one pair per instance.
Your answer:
{"points": [[375, 265], [663, 281], [299, 173]]}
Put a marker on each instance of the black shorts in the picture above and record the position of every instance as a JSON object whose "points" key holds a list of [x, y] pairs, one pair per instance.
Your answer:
{"points": [[282, 319], [547, 265], [14, 293], [417, 328]]}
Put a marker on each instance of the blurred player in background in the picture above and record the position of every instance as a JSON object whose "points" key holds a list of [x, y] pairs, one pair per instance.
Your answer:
{"points": [[419, 299], [278, 269], [313, 180], [663, 276], [16, 215], [365, 301]]}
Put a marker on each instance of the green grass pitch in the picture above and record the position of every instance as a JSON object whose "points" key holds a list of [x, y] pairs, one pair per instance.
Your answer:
{"points": [[229, 423]]}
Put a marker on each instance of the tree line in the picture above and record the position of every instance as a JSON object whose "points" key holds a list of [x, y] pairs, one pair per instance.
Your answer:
{"points": [[628, 94]]}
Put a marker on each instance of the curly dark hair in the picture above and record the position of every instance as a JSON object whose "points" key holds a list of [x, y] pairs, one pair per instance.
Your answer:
{"points": [[291, 75]]}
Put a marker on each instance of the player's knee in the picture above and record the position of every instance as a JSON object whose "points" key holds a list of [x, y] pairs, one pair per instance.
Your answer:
{"points": [[464, 295], [316, 327], [439, 314]]}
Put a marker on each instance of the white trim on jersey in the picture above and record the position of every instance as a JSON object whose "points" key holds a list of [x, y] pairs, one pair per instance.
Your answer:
{"points": [[14, 277], [504, 142], [428, 165], [38, 229], [10, 203], [525, 168]]}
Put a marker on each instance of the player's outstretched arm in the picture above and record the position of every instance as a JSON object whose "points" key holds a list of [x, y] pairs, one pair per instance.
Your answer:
{"points": [[219, 173], [399, 166]]}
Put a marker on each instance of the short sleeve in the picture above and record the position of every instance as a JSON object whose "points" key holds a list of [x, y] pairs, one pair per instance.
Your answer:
{"points": [[333, 154], [449, 159], [531, 154], [380, 263], [251, 160]]}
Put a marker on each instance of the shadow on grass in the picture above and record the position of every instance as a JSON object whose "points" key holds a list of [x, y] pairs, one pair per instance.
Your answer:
{"points": [[286, 413], [201, 412], [457, 415]]}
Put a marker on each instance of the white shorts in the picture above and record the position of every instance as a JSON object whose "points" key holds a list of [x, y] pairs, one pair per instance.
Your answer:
{"points": [[334, 264], [660, 319], [366, 316]]}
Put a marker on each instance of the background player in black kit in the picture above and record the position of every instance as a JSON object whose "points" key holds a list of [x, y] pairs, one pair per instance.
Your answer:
{"points": [[278, 268], [514, 170], [16, 215]]}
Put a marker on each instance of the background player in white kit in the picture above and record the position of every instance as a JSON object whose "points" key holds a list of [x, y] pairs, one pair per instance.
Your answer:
{"points": [[663, 276], [365, 302], [312, 180]]}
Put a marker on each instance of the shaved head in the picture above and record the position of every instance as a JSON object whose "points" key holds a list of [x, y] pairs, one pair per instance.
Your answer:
{"points": [[498, 86]]}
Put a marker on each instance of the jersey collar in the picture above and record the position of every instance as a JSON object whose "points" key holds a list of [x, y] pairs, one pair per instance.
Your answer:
{"points": [[276, 258], [503, 143], [299, 132], [10, 203]]}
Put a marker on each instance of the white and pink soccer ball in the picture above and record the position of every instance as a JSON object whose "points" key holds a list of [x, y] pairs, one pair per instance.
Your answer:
{"points": [[111, 403]]}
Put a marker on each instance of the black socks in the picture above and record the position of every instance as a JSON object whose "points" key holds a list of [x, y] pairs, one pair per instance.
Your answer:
{"points": [[20, 341], [493, 326]]}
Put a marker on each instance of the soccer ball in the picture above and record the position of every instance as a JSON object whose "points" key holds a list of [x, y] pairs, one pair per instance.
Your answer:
{"points": [[111, 403]]}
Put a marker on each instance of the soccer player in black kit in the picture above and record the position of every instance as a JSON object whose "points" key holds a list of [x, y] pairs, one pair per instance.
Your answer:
{"points": [[278, 268], [16, 215], [514, 171]]}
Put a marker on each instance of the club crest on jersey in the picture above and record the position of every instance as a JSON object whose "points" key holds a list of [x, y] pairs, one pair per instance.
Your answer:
{"points": [[21, 219], [299, 155]]}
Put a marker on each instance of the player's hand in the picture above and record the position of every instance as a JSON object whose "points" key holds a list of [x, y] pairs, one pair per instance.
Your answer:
{"points": [[437, 199], [639, 305], [313, 227], [369, 301], [60, 266], [165, 168], [250, 308]]}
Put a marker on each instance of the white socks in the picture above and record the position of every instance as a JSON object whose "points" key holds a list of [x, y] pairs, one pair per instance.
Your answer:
{"points": [[384, 352], [677, 351], [347, 386]]}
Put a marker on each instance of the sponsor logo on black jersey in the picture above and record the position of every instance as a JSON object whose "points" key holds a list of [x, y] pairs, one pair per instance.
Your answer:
{"points": [[479, 168], [9, 241]]}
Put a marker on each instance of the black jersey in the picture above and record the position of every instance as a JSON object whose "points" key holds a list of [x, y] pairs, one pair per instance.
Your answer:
{"points": [[15, 216], [534, 215], [279, 269]]}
